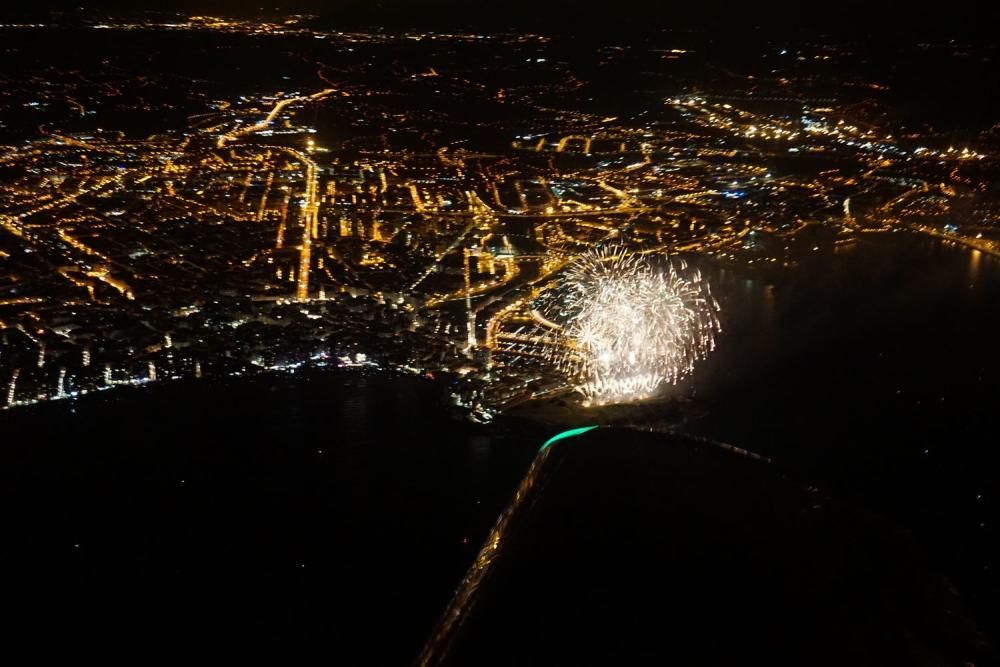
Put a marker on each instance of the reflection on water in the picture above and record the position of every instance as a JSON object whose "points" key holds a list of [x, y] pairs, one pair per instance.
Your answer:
{"points": [[874, 372], [975, 260]]}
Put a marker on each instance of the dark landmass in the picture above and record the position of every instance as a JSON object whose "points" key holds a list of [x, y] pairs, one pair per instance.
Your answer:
{"points": [[638, 548]]}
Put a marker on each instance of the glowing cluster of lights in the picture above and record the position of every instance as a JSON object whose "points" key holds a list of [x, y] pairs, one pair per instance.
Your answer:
{"points": [[632, 326]]}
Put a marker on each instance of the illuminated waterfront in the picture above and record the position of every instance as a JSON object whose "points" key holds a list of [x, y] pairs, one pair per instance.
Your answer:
{"points": [[277, 213]]}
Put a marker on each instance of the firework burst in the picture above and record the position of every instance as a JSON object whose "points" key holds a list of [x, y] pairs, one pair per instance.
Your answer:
{"points": [[632, 327]]}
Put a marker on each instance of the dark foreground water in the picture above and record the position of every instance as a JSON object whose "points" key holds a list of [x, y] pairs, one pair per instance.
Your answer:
{"points": [[333, 515], [328, 516]]}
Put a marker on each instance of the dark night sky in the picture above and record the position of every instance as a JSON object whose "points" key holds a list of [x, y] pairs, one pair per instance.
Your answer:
{"points": [[850, 17]]}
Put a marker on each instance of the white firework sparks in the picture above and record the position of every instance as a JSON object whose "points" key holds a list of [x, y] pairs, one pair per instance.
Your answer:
{"points": [[634, 327]]}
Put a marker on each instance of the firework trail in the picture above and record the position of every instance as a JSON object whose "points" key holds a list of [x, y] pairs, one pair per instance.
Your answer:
{"points": [[633, 327]]}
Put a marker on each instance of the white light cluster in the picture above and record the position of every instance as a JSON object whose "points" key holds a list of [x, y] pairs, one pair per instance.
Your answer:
{"points": [[633, 326]]}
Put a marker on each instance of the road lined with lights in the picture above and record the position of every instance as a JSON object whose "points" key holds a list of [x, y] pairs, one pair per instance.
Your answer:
{"points": [[265, 123]]}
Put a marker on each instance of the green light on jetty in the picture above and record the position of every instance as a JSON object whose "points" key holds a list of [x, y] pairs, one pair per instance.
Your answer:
{"points": [[566, 434]]}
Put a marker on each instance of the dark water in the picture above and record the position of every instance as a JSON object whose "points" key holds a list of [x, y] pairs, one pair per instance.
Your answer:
{"points": [[874, 370], [333, 515], [328, 517]]}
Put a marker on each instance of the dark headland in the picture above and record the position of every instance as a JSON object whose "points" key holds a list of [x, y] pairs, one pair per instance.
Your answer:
{"points": [[634, 548]]}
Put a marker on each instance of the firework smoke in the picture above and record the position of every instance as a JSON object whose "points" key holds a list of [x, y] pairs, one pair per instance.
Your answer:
{"points": [[634, 327]]}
